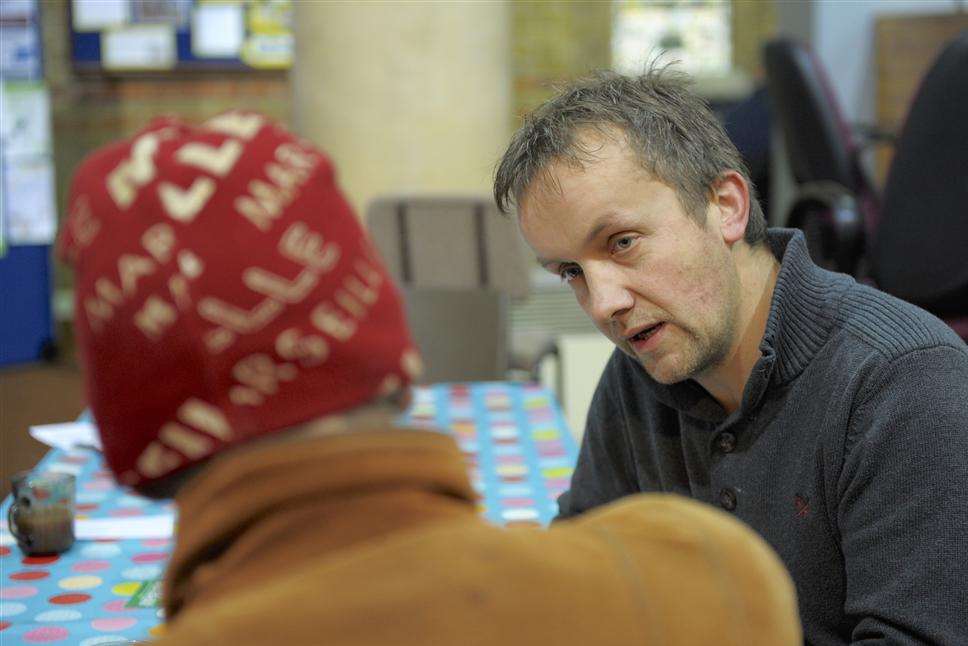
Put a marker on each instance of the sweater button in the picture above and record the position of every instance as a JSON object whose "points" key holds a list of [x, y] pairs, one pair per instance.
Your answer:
{"points": [[727, 498], [726, 442]]}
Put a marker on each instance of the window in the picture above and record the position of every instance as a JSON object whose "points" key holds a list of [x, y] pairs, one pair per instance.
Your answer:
{"points": [[694, 32]]}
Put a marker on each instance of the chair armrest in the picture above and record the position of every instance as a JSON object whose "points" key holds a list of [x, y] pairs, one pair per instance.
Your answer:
{"points": [[550, 351], [870, 134], [828, 215]]}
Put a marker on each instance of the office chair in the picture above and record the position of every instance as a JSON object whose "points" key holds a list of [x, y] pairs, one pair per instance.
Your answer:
{"points": [[458, 262], [920, 250], [913, 242], [823, 150]]}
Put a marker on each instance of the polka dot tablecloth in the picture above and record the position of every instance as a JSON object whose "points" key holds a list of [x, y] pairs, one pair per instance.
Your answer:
{"points": [[80, 596], [515, 439], [520, 457]]}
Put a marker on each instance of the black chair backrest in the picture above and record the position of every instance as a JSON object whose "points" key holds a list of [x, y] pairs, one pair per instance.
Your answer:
{"points": [[818, 143], [920, 249]]}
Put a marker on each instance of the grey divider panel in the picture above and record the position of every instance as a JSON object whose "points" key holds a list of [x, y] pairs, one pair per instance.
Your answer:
{"points": [[443, 246], [386, 236], [462, 334], [451, 242], [458, 261]]}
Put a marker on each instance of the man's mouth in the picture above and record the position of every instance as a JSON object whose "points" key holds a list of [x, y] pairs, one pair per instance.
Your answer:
{"points": [[646, 333]]}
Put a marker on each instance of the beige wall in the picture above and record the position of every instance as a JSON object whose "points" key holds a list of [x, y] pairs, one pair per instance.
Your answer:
{"points": [[753, 22], [405, 96], [554, 42]]}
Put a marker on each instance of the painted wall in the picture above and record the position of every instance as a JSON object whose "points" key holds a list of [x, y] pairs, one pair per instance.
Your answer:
{"points": [[553, 43], [842, 34], [405, 96]]}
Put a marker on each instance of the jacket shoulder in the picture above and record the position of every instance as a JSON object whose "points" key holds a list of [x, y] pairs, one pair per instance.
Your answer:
{"points": [[471, 583]]}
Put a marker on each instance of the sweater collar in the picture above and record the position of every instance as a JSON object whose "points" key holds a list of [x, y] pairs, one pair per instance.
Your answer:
{"points": [[798, 325], [254, 511], [803, 308]]}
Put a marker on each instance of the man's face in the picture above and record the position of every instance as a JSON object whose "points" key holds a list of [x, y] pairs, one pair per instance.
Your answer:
{"points": [[659, 284]]}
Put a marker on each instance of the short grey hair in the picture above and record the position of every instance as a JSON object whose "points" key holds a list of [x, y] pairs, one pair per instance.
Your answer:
{"points": [[671, 130]]}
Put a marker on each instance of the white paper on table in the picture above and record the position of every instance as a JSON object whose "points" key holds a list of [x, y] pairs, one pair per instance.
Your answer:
{"points": [[142, 47], [92, 15], [218, 30], [67, 436], [158, 526], [61, 467]]}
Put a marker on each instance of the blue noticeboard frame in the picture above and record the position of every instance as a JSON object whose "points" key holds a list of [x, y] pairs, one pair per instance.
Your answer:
{"points": [[86, 51], [26, 317], [266, 26], [26, 312]]}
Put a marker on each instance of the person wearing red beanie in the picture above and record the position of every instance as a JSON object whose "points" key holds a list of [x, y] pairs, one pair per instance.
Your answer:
{"points": [[246, 352]]}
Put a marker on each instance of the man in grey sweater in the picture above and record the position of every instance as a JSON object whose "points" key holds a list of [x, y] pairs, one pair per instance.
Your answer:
{"points": [[830, 417]]}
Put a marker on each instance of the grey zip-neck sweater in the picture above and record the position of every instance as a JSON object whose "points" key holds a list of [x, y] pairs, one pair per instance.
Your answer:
{"points": [[849, 454]]}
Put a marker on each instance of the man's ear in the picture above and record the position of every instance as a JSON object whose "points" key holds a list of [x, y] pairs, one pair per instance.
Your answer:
{"points": [[731, 199]]}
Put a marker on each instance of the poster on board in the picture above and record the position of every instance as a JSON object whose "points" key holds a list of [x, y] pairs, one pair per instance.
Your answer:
{"points": [[29, 211], [138, 36]]}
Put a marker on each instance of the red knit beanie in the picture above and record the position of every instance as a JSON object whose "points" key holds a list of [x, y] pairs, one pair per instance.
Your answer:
{"points": [[224, 290]]}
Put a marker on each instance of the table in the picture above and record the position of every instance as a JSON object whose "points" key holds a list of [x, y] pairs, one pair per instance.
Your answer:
{"points": [[520, 456]]}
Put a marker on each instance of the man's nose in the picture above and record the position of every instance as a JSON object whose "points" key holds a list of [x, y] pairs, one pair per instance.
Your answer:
{"points": [[608, 295]]}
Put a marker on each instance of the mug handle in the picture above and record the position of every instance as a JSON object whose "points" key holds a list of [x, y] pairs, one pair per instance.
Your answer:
{"points": [[12, 524]]}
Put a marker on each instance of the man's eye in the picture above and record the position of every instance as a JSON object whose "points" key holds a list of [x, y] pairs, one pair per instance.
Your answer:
{"points": [[623, 243], [569, 272]]}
